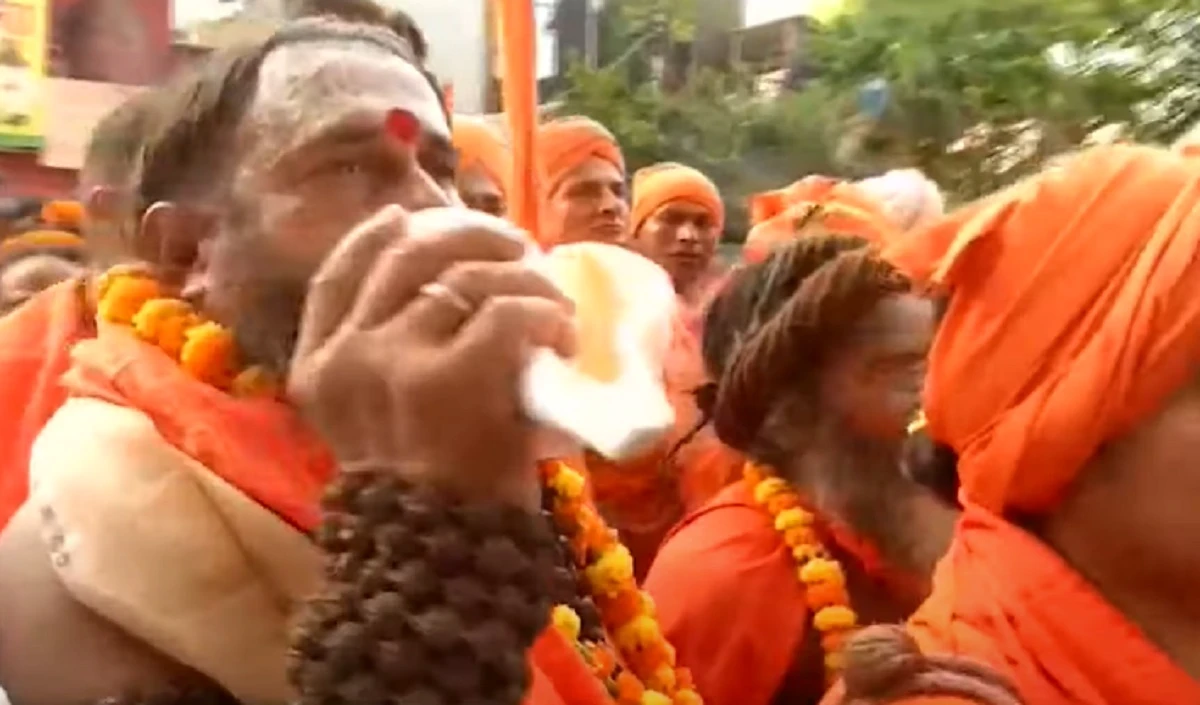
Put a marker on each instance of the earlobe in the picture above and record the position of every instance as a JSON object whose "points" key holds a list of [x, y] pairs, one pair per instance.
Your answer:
{"points": [[104, 204]]}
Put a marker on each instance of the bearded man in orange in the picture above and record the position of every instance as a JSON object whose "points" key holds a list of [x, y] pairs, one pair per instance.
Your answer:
{"points": [[778, 216], [1064, 375], [484, 165], [819, 355], [582, 181], [344, 162]]}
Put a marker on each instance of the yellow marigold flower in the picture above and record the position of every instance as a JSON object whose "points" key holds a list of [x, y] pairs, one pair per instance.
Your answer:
{"points": [[653, 697], [768, 487], [124, 296], [687, 696], [164, 322], [805, 553], [648, 607], [208, 354], [834, 617], [642, 631], [821, 570], [663, 678], [612, 571], [792, 519], [799, 536], [566, 621], [255, 382], [835, 661], [567, 483]]}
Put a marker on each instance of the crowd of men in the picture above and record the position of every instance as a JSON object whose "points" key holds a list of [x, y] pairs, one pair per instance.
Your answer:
{"points": [[261, 438]]}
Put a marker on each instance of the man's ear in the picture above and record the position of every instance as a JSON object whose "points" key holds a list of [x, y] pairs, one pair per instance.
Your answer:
{"points": [[170, 237], [104, 203]]}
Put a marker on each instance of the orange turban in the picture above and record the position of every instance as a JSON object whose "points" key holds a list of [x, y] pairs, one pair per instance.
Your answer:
{"points": [[1074, 313], [845, 209], [480, 144], [656, 186], [565, 144]]}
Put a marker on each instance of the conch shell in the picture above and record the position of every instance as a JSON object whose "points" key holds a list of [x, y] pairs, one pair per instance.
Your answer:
{"points": [[610, 397]]}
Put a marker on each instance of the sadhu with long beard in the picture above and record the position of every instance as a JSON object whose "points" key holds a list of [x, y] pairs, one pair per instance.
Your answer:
{"points": [[1064, 377], [819, 355]]}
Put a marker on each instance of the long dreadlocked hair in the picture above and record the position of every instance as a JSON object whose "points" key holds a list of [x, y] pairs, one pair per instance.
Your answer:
{"points": [[777, 320]]}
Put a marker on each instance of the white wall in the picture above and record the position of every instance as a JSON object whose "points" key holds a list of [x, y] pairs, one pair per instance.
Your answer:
{"points": [[457, 34]]}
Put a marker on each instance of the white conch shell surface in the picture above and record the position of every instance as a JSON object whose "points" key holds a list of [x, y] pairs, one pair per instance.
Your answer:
{"points": [[621, 408], [623, 411]]}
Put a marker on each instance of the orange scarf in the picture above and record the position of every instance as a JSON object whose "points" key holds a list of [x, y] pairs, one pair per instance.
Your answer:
{"points": [[35, 344]]}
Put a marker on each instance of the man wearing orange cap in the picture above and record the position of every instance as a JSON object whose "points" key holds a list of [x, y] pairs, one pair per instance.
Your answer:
{"points": [[1064, 376], [777, 216], [484, 165], [677, 221], [582, 182]]}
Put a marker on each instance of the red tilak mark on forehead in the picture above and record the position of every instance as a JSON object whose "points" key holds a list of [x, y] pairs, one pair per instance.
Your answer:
{"points": [[402, 125]]}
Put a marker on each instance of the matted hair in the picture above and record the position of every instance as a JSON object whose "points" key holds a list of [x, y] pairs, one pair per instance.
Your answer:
{"points": [[115, 144], [199, 111]]}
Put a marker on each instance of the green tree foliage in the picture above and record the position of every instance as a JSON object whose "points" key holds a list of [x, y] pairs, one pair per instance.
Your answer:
{"points": [[981, 92]]}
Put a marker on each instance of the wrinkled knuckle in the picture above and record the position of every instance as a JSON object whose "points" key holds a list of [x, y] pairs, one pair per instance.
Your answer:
{"points": [[461, 275]]}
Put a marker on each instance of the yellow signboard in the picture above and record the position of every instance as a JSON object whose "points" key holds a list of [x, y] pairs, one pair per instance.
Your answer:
{"points": [[23, 31]]}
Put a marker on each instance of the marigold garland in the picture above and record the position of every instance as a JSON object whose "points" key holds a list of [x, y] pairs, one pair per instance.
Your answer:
{"points": [[822, 576], [638, 667], [639, 670], [203, 348]]}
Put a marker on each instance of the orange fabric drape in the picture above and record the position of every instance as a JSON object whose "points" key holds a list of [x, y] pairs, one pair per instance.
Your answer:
{"points": [[656, 186], [263, 448], [35, 345], [729, 600], [1074, 314], [1075, 311], [846, 209]]}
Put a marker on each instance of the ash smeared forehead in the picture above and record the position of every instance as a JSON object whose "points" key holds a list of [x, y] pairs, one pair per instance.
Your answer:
{"points": [[305, 87]]}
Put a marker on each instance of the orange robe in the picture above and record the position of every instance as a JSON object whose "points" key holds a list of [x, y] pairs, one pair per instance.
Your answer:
{"points": [[644, 497], [729, 600], [1055, 341], [35, 344], [263, 448], [479, 144]]}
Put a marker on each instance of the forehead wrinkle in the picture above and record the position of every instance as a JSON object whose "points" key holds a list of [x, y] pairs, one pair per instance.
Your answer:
{"points": [[305, 88]]}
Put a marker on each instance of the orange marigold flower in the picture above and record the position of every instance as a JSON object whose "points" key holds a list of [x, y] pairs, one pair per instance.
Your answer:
{"points": [[621, 608], [662, 678], [835, 640], [753, 474], [683, 678], [604, 662], [687, 696], [124, 296], [164, 323], [63, 214], [629, 688], [820, 595], [640, 633], [208, 354]]}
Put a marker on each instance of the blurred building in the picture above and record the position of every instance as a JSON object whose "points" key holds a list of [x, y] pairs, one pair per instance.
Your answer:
{"points": [[69, 62]]}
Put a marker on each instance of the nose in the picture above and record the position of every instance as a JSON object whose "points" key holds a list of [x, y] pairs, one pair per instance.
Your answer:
{"points": [[425, 192], [687, 233], [610, 202]]}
